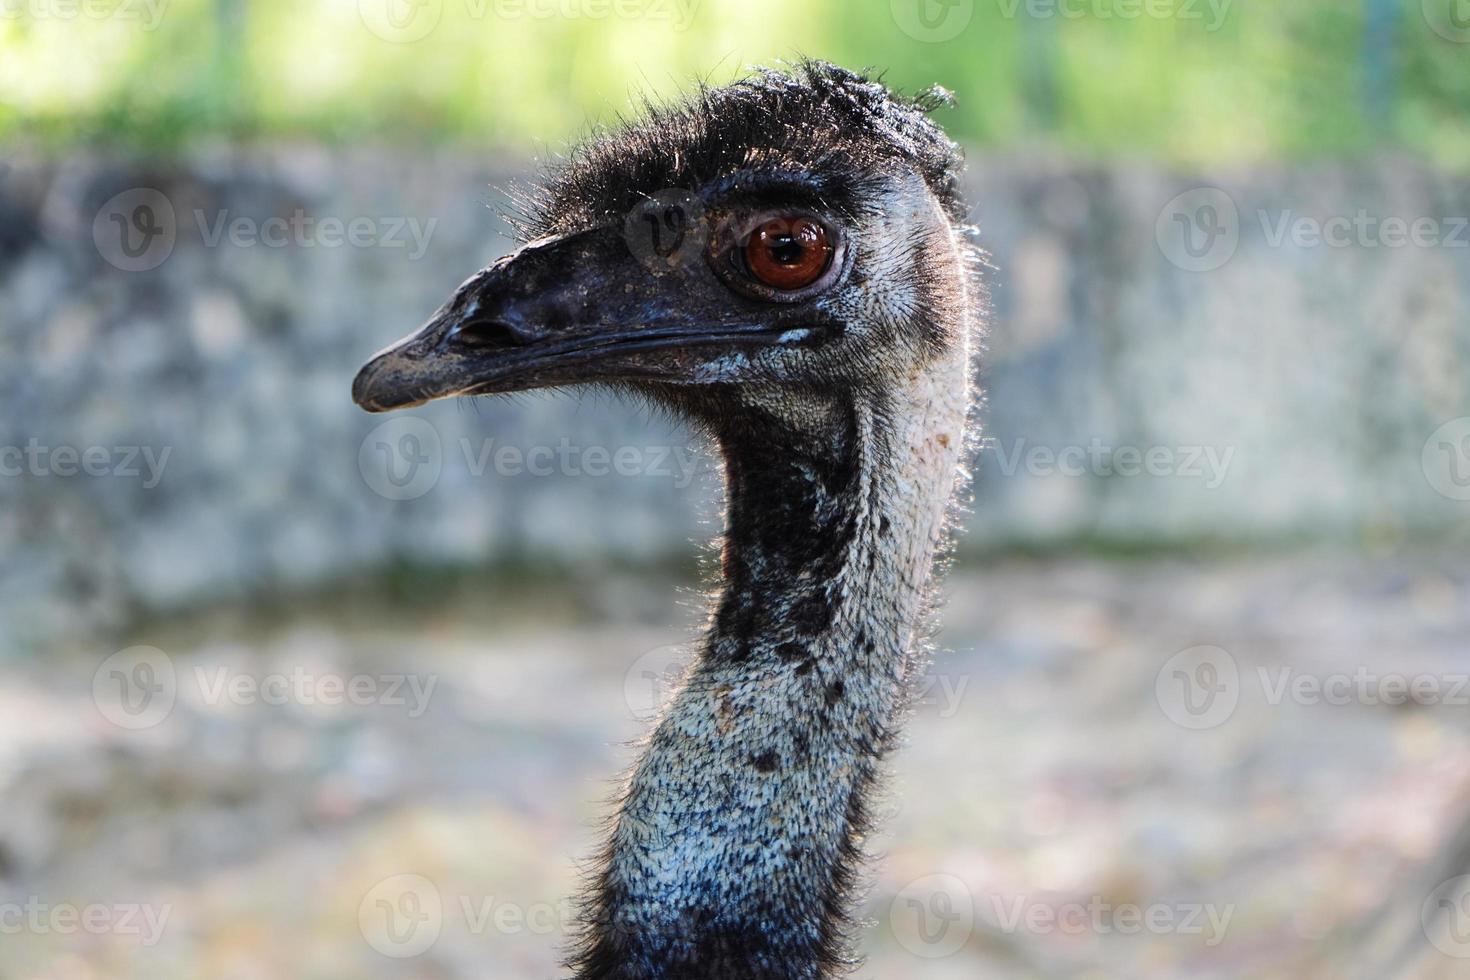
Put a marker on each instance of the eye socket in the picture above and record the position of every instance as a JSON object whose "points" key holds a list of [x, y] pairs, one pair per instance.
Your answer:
{"points": [[789, 252]]}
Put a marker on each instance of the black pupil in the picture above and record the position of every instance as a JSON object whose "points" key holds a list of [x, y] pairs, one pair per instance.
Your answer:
{"points": [[787, 250]]}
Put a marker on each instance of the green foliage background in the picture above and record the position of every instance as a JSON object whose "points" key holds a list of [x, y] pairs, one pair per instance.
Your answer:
{"points": [[1270, 80]]}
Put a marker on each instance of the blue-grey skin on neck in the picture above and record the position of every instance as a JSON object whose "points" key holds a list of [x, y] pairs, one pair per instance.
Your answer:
{"points": [[740, 837]]}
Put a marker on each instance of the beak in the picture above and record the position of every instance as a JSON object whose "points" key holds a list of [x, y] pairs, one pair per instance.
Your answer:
{"points": [[571, 310]]}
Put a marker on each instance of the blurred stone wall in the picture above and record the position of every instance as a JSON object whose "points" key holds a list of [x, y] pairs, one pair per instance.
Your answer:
{"points": [[1259, 356]]}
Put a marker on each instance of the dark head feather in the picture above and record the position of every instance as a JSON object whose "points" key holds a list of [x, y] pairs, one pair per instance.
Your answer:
{"points": [[839, 128]]}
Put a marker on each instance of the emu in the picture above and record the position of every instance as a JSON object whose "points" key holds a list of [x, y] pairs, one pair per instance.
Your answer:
{"points": [[820, 334]]}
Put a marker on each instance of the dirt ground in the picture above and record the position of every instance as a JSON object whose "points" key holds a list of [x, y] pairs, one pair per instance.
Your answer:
{"points": [[1144, 769]]}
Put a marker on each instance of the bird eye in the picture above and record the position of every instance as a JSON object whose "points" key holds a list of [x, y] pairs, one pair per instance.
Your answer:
{"points": [[789, 252]]}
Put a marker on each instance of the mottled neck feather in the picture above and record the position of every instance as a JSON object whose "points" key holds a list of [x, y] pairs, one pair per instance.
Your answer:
{"points": [[741, 834]]}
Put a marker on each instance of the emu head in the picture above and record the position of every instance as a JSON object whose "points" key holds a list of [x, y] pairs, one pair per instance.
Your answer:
{"points": [[794, 231]]}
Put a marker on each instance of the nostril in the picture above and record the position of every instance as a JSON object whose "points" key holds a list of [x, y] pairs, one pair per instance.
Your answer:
{"points": [[484, 332]]}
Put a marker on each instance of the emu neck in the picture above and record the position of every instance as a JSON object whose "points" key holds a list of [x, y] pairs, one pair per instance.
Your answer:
{"points": [[737, 845]]}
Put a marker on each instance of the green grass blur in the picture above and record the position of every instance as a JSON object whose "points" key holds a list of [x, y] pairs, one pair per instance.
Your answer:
{"points": [[1217, 81]]}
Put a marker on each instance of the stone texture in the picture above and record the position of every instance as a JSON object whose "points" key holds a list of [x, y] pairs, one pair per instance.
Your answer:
{"points": [[1314, 374]]}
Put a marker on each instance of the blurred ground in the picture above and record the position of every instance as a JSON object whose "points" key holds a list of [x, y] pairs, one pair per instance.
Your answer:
{"points": [[431, 831]]}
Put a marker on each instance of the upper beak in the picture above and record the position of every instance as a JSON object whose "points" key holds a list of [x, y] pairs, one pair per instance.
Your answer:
{"points": [[564, 311]]}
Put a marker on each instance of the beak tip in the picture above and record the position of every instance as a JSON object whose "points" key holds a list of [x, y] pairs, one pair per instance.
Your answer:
{"points": [[371, 394], [363, 394]]}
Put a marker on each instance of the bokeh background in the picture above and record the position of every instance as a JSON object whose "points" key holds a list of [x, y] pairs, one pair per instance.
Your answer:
{"points": [[291, 691]]}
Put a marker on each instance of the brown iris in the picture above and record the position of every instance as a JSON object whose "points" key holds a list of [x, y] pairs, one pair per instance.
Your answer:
{"points": [[788, 252]]}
